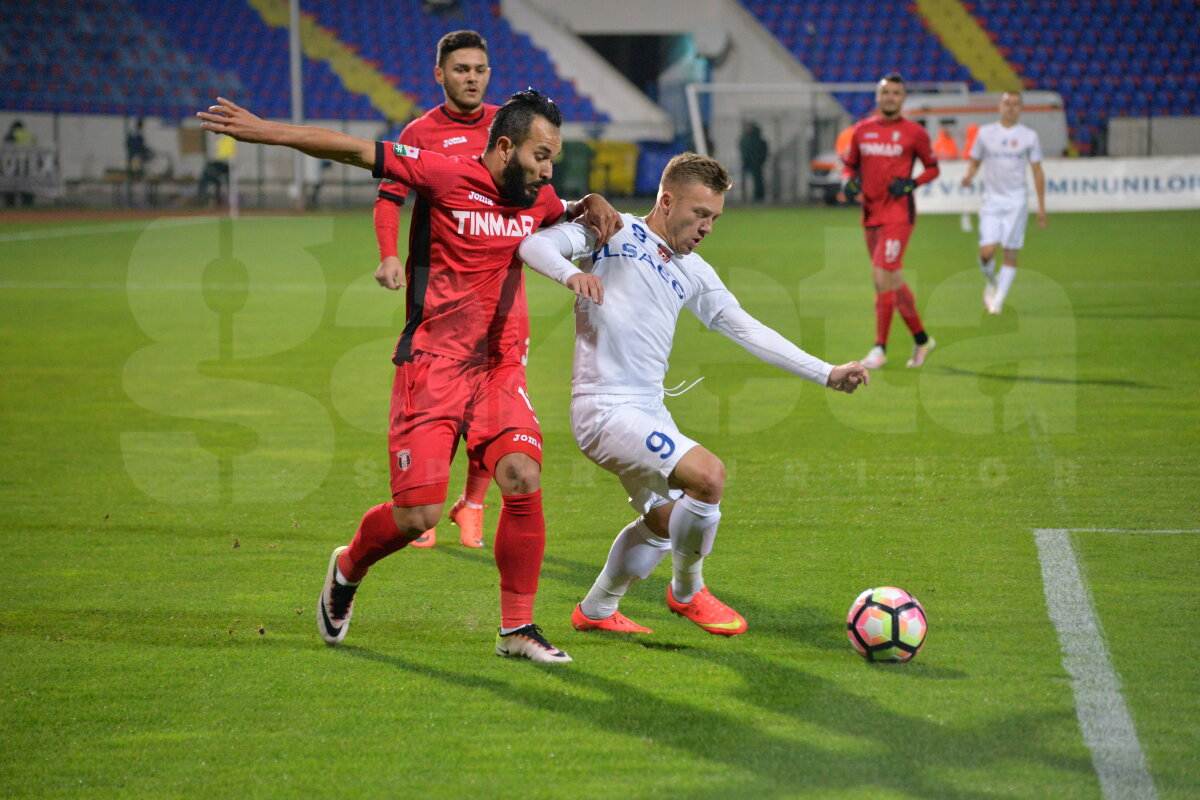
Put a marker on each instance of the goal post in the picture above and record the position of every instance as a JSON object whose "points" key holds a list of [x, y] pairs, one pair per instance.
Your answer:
{"points": [[800, 121]]}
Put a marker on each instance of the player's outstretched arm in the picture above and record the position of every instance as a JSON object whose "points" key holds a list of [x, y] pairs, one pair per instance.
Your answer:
{"points": [[769, 346], [848, 377], [549, 252], [597, 214], [231, 119]]}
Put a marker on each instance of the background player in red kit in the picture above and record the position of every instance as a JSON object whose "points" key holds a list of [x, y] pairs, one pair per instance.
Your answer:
{"points": [[879, 164], [457, 126], [460, 360]]}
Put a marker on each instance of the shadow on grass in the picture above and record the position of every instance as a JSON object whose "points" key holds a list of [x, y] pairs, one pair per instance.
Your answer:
{"points": [[1122, 384], [905, 753]]}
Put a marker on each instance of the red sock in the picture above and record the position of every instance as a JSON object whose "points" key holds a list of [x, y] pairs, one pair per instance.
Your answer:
{"points": [[906, 304], [478, 480], [885, 305], [377, 537], [519, 547]]}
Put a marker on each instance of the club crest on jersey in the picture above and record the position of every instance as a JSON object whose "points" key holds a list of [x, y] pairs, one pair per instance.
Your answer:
{"points": [[404, 460], [491, 223], [663, 253], [405, 151]]}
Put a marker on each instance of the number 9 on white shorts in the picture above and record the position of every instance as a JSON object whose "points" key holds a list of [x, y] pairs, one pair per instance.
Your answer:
{"points": [[634, 438]]}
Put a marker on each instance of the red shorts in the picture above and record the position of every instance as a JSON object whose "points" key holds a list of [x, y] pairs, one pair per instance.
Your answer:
{"points": [[435, 401], [886, 244]]}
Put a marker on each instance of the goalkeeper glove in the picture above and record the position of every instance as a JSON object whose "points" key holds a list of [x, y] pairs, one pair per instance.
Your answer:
{"points": [[851, 188], [901, 187]]}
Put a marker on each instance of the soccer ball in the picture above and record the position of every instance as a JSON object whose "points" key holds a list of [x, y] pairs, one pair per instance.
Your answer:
{"points": [[886, 624]]}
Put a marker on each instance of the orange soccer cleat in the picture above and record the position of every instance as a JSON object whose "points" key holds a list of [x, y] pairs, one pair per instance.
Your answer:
{"points": [[709, 613], [469, 521], [616, 622], [426, 539]]}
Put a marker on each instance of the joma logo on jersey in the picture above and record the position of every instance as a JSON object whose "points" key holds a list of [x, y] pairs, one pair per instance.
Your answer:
{"points": [[527, 439], [453, 140], [489, 223], [477, 197], [880, 149]]}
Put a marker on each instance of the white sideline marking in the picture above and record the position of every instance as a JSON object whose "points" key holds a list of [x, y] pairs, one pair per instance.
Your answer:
{"points": [[88, 230], [1104, 718]]}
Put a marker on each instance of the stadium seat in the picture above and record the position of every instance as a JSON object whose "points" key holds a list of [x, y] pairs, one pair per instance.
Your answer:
{"points": [[1131, 46]]}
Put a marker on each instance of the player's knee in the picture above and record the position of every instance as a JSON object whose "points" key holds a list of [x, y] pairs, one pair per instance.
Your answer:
{"points": [[413, 522], [708, 481], [987, 252], [517, 473]]}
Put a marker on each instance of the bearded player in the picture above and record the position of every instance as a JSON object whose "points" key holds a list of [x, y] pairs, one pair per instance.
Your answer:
{"points": [[879, 166], [459, 126], [460, 361]]}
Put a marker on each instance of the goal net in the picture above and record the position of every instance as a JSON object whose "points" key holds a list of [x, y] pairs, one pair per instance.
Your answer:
{"points": [[800, 123]]}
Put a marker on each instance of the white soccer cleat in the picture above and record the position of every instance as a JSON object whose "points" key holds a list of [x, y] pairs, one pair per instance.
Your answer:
{"points": [[921, 352], [989, 299], [528, 642], [874, 359], [335, 605]]}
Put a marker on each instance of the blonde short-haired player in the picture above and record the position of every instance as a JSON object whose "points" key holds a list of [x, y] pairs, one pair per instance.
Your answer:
{"points": [[625, 322], [1005, 147]]}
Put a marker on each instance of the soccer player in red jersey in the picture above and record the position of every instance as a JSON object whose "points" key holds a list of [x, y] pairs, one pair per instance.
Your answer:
{"points": [[879, 165], [460, 359], [457, 126]]}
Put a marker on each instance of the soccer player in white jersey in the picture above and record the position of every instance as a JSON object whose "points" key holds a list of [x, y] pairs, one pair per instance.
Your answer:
{"points": [[1005, 147], [647, 274]]}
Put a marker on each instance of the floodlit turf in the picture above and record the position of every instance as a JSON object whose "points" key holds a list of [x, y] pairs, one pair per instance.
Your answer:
{"points": [[193, 418]]}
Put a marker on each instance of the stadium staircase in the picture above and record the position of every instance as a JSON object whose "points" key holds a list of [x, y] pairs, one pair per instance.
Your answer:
{"points": [[166, 58], [962, 35], [357, 75], [858, 42], [400, 41], [253, 51]]}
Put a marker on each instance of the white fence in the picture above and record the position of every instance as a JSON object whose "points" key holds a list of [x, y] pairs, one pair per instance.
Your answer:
{"points": [[1080, 184]]}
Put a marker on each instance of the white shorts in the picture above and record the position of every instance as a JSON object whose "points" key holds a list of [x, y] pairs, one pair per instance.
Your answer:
{"points": [[1003, 226], [634, 438]]}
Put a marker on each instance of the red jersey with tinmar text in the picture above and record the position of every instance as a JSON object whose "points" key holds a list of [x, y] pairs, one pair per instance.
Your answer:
{"points": [[466, 293], [881, 151], [441, 131]]}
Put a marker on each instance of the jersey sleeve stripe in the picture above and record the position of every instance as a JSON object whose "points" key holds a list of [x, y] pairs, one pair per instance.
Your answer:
{"points": [[377, 171]]}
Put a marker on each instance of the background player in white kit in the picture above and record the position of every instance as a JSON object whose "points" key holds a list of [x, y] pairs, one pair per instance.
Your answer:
{"points": [[1005, 147], [649, 274]]}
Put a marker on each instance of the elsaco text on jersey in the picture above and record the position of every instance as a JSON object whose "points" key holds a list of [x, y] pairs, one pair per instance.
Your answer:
{"points": [[630, 251]]}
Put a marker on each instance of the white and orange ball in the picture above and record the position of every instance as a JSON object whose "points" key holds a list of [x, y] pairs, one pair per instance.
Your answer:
{"points": [[886, 624]]}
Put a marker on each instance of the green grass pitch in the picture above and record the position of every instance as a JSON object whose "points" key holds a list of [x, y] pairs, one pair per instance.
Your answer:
{"points": [[193, 416]]}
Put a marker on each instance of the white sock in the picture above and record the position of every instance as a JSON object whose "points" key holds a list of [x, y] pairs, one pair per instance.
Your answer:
{"points": [[988, 268], [693, 526], [506, 631], [634, 554], [1003, 282], [340, 578]]}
